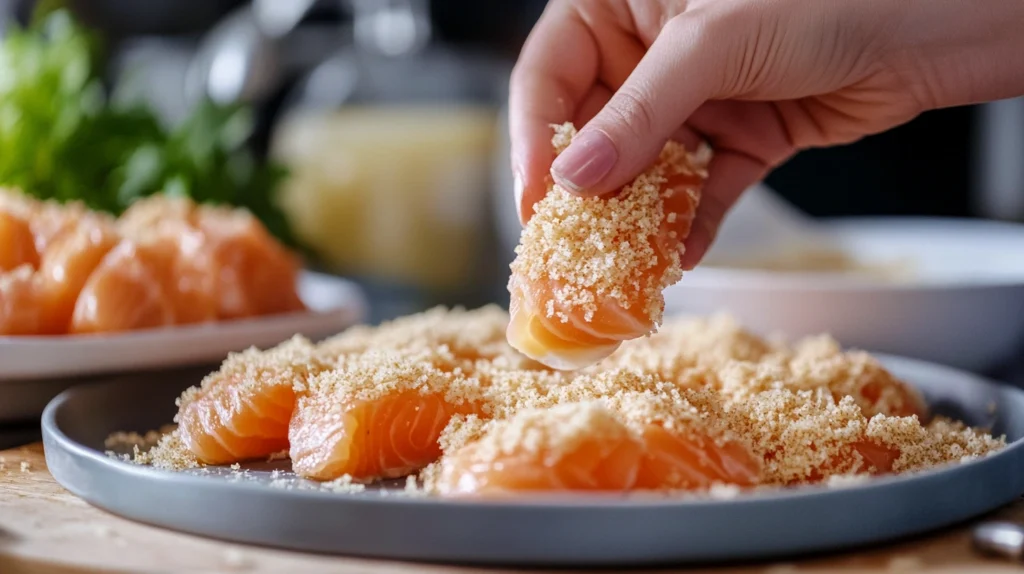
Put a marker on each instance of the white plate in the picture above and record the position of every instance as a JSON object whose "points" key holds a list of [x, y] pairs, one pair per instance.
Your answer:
{"points": [[334, 304], [962, 304]]}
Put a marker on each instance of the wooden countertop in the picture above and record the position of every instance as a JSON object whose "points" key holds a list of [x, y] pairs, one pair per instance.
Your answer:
{"points": [[46, 530]]}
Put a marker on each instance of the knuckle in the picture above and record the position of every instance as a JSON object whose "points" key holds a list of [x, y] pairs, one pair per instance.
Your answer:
{"points": [[632, 108]]}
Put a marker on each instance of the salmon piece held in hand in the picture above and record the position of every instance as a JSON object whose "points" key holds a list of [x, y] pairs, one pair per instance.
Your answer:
{"points": [[378, 416], [242, 411], [590, 272]]}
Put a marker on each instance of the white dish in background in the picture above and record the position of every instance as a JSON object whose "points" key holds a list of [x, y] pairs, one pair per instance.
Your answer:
{"points": [[961, 302], [334, 304]]}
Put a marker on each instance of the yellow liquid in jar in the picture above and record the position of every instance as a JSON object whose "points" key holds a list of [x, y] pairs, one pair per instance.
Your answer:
{"points": [[393, 192]]}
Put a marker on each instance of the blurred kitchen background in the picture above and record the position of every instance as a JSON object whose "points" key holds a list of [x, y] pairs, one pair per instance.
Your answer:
{"points": [[387, 114]]}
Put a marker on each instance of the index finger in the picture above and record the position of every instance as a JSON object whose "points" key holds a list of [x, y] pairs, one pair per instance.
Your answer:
{"points": [[556, 68]]}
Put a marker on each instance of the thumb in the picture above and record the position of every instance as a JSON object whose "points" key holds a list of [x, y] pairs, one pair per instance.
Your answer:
{"points": [[677, 74]]}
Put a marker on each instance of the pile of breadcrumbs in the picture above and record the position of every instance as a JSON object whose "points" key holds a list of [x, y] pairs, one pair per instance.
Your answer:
{"points": [[800, 408]]}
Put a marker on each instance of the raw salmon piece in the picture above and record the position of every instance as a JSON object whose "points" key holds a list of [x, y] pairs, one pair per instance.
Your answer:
{"points": [[17, 244], [225, 258], [879, 457], [151, 215], [182, 263], [689, 460], [66, 266], [255, 275], [123, 293], [242, 411], [19, 204], [469, 334], [377, 416], [686, 434], [821, 362], [807, 436], [52, 220], [622, 437], [21, 309], [572, 447], [590, 272]]}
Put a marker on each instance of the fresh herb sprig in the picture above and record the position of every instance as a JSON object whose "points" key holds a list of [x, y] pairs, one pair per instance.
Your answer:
{"points": [[61, 137]]}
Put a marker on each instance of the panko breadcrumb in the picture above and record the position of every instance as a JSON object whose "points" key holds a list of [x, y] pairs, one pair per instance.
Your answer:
{"points": [[289, 363], [805, 410], [377, 374], [466, 334], [170, 453], [552, 431]]}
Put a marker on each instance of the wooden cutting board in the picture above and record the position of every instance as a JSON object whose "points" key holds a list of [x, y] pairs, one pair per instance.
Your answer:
{"points": [[46, 530]]}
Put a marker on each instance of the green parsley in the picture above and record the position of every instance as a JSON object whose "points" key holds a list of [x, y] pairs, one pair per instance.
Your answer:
{"points": [[61, 137]]}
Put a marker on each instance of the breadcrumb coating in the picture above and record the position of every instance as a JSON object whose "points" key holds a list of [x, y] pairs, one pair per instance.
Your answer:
{"points": [[252, 370], [599, 249], [811, 412]]}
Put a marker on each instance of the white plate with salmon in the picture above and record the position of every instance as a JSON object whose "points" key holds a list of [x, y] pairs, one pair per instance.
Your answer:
{"points": [[168, 282], [332, 305]]}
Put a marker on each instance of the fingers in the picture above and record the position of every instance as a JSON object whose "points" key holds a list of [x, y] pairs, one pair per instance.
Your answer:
{"points": [[729, 175], [749, 139], [556, 69], [592, 104], [680, 71]]}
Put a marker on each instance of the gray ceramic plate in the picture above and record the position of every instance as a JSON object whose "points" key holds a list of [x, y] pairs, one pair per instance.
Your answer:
{"points": [[553, 531]]}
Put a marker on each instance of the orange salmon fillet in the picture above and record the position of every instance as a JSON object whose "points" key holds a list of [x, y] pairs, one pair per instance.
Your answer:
{"points": [[377, 416], [591, 446], [242, 411], [590, 272]]}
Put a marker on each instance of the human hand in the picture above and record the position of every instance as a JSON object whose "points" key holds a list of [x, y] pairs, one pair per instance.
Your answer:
{"points": [[757, 79]]}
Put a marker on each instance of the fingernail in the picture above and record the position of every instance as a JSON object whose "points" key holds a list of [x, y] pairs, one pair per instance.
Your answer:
{"points": [[517, 192], [586, 161]]}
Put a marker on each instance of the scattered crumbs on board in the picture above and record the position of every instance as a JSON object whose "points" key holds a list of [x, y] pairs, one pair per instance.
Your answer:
{"points": [[25, 466]]}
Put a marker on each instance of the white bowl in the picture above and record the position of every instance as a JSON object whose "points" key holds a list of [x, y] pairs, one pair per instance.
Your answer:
{"points": [[962, 306]]}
